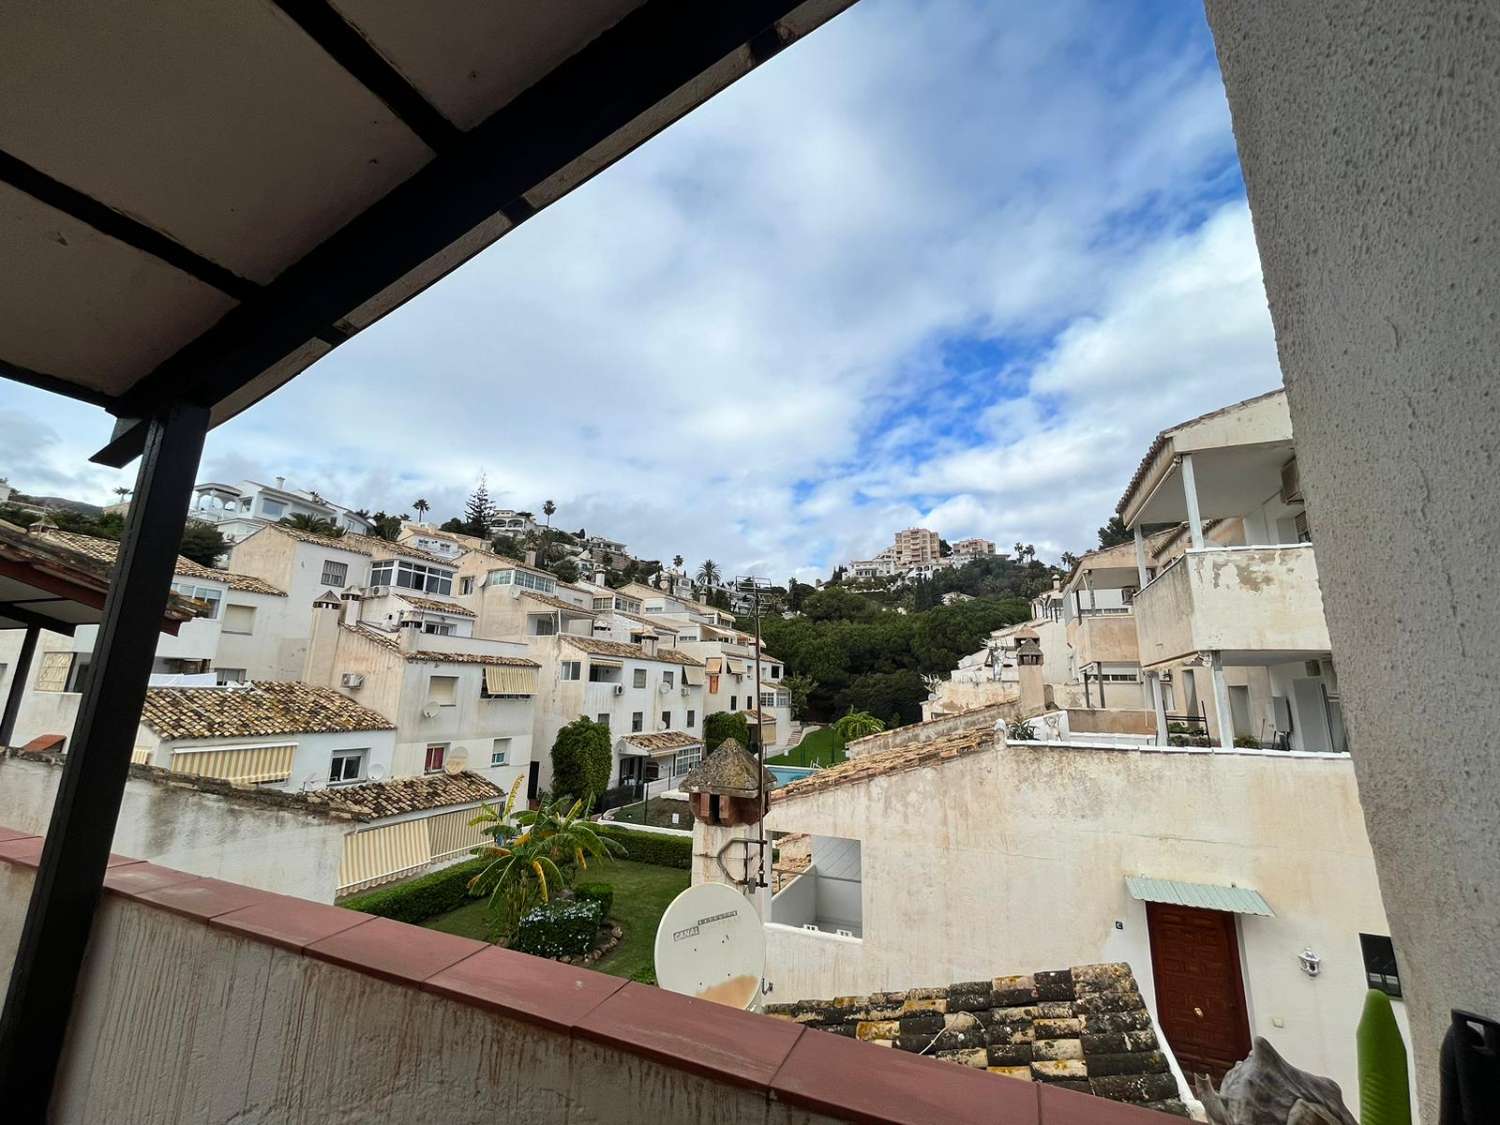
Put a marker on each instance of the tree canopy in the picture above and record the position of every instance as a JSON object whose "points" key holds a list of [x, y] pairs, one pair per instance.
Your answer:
{"points": [[722, 726], [582, 758]]}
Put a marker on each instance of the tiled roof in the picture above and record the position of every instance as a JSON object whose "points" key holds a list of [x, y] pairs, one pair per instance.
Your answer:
{"points": [[629, 652], [556, 603], [433, 605], [361, 544], [375, 799], [105, 551], [1085, 1029], [655, 624], [378, 636], [911, 757], [273, 707], [493, 660], [663, 741], [758, 716]]}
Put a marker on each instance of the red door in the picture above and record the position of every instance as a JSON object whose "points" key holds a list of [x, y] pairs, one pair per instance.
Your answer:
{"points": [[1200, 995]]}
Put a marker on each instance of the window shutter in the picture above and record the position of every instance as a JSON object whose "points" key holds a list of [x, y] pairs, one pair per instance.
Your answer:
{"points": [[53, 673]]}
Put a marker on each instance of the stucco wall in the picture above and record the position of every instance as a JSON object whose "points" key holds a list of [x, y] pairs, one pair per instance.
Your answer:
{"points": [[1368, 138], [283, 850], [1109, 639], [982, 719], [1014, 860]]}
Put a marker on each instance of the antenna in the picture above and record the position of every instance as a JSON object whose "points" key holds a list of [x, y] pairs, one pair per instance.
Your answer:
{"points": [[710, 944]]}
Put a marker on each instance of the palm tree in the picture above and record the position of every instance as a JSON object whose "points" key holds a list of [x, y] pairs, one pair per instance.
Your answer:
{"points": [[857, 724], [121, 491], [677, 561], [548, 508], [535, 854], [708, 574], [421, 507], [313, 525]]}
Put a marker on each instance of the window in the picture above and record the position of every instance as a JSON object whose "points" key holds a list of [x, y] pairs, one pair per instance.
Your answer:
{"points": [[544, 626], [466, 584], [685, 760], [436, 752], [668, 679], [335, 574], [275, 509], [346, 766], [666, 720], [775, 671], [734, 703], [692, 717], [239, 619], [573, 670], [1380, 964], [602, 718], [230, 675], [52, 674], [500, 752], [443, 690], [638, 677], [208, 594], [438, 628], [538, 582], [602, 603], [78, 674], [637, 721], [411, 576], [768, 699]]}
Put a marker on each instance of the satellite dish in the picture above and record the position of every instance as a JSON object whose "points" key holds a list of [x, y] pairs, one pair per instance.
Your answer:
{"points": [[377, 773], [456, 760], [710, 944], [430, 709], [312, 781]]}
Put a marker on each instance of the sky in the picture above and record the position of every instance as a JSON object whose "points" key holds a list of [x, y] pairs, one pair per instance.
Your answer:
{"points": [[940, 264]]}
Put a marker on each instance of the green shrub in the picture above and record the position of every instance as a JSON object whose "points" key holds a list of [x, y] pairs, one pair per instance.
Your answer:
{"points": [[421, 898], [560, 928], [652, 847], [602, 893], [582, 758], [1245, 742], [722, 726]]}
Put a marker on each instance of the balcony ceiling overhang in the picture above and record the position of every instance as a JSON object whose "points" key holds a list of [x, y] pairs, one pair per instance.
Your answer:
{"points": [[1231, 481], [198, 201]]}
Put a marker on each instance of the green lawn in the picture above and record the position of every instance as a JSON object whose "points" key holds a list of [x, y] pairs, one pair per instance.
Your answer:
{"points": [[658, 811], [642, 893], [821, 748]]}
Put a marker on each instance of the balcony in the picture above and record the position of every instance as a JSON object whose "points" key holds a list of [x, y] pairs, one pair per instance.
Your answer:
{"points": [[1106, 635], [1253, 604]]}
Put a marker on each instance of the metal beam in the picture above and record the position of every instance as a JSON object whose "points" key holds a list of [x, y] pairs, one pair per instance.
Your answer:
{"points": [[17, 685], [107, 221], [353, 52], [653, 53], [71, 874], [54, 383], [34, 620]]}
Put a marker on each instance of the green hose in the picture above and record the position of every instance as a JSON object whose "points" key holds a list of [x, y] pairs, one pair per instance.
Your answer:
{"points": [[1384, 1095]]}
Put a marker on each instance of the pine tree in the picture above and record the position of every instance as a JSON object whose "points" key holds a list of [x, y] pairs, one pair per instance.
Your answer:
{"points": [[479, 512]]}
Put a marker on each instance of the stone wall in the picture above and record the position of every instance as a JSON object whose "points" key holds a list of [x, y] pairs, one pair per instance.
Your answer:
{"points": [[978, 719]]}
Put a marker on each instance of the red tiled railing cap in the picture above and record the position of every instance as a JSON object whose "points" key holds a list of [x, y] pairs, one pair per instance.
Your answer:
{"points": [[825, 1073]]}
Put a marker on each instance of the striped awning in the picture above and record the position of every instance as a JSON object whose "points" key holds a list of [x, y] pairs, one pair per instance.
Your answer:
{"points": [[736, 665], [242, 765], [1205, 896], [714, 664], [692, 675], [600, 662], [500, 680]]}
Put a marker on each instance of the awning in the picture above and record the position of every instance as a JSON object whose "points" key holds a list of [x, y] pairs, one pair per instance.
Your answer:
{"points": [[1205, 896], [692, 676], [509, 681], [714, 665], [242, 765], [736, 665], [629, 749], [601, 662]]}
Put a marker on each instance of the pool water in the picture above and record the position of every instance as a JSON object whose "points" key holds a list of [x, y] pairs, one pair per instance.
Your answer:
{"points": [[785, 775]]}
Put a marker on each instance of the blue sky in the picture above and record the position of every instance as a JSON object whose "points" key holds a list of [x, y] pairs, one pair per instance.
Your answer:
{"points": [[945, 264]]}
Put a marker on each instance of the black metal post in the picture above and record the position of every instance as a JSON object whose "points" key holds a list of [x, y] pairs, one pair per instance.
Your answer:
{"points": [[69, 880], [18, 685]]}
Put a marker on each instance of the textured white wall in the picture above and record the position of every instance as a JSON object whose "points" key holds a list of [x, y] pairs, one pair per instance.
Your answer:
{"points": [[1369, 135]]}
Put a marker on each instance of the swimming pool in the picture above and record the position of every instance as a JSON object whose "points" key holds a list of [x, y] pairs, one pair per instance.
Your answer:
{"points": [[785, 775]]}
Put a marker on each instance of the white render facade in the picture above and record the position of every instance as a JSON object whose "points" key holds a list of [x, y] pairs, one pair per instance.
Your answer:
{"points": [[241, 509]]}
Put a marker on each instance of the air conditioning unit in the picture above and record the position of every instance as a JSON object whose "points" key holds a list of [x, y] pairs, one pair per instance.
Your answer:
{"points": [[1314, 667], [619, 689], [684, 689], [377, 591], [352, 680]]}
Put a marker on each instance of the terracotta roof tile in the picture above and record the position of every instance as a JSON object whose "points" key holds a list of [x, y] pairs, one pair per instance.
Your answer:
{"points": [[269, 708], [1085, 1028], [556, 603], [361, 545], [491, 659], [882, 762], [432, 605], [663, 741], [630, 652], [105, 550], [375, 799]]}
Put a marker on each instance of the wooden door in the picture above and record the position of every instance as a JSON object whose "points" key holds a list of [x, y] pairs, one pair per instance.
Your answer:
{"points": [[1200, 995]]}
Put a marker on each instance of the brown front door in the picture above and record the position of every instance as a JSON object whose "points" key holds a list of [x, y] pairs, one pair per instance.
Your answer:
{"points": [[1200, 995]]}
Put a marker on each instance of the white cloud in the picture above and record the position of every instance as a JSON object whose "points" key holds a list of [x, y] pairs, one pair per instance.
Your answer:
{"points": [[738, 342]]}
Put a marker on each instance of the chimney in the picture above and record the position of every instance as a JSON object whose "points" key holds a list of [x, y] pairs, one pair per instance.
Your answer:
{"points": [[648, 644], [322, 644], [411, 633], [1029, 670], [351, 599], [599, 577], [281, 482], [531, 556]]}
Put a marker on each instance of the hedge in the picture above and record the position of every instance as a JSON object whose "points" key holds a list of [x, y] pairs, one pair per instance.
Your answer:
{"points": [[602, 893], [651, 847], [423, 897], [560, 928]]}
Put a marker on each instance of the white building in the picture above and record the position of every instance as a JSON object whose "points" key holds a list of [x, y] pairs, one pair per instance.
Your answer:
{"points": [[238, 510]]}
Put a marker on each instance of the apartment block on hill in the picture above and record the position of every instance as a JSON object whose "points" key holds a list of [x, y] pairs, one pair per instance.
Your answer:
{"points": [[239, 510]]}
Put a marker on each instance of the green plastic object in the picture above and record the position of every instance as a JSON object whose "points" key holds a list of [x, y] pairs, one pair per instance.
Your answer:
{"points": [[1384, 1093]]}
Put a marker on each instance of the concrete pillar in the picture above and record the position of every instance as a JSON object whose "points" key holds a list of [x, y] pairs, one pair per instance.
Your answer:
{"points": [[1222, 715], [1160, 706], [1190, 494], [1368, 139], [1140, 555]]}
